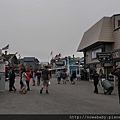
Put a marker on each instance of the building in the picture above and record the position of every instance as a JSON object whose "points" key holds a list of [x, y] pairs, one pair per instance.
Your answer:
{"points": [[68, 63], [31, 63], [102, 37]]}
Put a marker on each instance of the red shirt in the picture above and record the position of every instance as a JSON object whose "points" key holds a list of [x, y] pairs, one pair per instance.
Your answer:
{"points": [[28, 76]]}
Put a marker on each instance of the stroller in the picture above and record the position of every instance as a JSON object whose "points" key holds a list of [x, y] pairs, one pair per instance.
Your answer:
{"points": [[107, 87]]}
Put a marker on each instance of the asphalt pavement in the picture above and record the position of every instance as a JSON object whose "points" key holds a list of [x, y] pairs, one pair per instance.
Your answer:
{"points": [[63, 99]]}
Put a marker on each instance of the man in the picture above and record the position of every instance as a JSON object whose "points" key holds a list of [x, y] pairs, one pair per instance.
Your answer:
{"points": [[11, 79], [116, 72], [59, 76], [38, 74], [96, 80], [28, 79], [73, 77], [46, 78]]}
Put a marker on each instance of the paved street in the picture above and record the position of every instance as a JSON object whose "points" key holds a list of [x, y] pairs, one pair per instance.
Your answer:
{"points": [[63, 99]]}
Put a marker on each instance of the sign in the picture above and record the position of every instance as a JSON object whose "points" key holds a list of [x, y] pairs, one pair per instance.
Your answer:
{"points": [[104, 56], [116, 54], [2, 67], [60, 63]]}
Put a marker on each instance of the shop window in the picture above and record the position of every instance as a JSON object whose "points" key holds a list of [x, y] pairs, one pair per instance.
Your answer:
{"points": [[94, 56], [118, 23]]}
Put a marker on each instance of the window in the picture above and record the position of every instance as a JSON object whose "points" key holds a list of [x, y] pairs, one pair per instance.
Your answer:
{"points": [[94, 56], [118, 23]]}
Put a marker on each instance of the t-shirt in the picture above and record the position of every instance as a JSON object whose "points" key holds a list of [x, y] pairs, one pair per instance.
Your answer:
{"points": [[96, 78], [24, 76], [45, 74]]}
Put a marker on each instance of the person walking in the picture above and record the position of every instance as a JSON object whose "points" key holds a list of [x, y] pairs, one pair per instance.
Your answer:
{"points": [[28, 79], [33, 77], [45, 78], [116, 72], [38, 74], [59, 76], [11, 79], [64, 76], [23, 78], [73, 77], [96, 81]]}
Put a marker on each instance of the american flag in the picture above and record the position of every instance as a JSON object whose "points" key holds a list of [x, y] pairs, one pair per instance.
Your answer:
{"points": [[6, 47], [57, 56]]}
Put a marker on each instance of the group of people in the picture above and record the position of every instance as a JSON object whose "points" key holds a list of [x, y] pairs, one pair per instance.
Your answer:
{"points": [[25, 76], [63, 75]]}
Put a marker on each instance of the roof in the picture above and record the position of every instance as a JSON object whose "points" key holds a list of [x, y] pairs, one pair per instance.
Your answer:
{"points": [[99, 32], [29, 59]]}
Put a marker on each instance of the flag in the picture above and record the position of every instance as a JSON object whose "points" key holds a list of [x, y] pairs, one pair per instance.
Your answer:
{"points": [[51, 53], [57, 57], [6, 47], [59, 54], [14, 59]]}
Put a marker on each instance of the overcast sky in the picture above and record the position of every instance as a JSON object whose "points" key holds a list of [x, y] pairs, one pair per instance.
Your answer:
{"points": [[37, 27]]}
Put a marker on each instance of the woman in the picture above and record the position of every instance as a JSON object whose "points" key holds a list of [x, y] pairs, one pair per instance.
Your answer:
{"points": [[23, 78]]}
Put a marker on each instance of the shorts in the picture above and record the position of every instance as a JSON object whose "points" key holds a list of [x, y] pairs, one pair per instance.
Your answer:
{"points": [[45, 83], [34, 78], [24, 82]]}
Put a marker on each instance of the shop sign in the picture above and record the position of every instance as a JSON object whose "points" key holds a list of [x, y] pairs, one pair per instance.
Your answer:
{"points": [[60, 63], [116, 54], [104, 56]]}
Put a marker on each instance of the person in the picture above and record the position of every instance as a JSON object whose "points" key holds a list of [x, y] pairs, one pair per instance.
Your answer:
{"points": [[33, 77], [28, 79], [38, 74], [45, 78], [59, 76], [116, 72], [96, 80], [23, 78], [11, 79], [64, 76], [73, 77]]}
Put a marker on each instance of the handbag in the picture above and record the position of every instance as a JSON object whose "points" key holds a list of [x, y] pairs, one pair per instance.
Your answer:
{"points": [[49, 83]]}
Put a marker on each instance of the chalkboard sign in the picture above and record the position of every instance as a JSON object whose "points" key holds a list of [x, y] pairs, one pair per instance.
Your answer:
{"points": [[104, 56]]}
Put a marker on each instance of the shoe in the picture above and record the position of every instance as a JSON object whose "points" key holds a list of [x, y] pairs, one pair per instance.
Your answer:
{"points": [[96, 92], [47, 92], [14, 90], [33, 84], [24, 92], [10, 90], [41, 91], [28, 89]]}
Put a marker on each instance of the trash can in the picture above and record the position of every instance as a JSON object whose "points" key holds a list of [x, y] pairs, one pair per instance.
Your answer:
{"points": [[107, 86]]}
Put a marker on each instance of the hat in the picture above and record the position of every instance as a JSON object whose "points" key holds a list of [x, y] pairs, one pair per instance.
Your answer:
{"points": [[118, 66]]}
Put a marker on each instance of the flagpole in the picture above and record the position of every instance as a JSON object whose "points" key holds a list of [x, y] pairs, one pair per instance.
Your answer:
{"points": [[48, 59], [9, 48]]}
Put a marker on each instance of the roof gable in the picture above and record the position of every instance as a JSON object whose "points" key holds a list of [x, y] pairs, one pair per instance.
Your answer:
{"points": [[99, 32]]}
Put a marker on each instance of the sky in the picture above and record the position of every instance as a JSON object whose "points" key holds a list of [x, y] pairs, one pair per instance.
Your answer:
{"points": [[34, 28]]}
